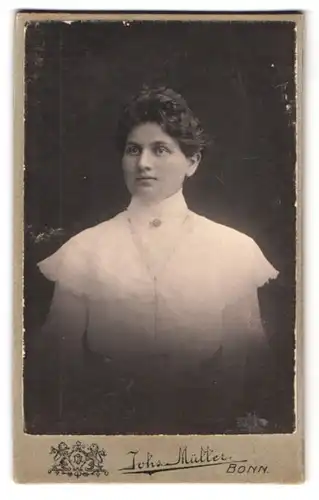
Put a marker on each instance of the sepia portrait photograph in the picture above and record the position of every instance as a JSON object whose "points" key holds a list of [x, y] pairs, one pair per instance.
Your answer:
{"points": [[160, 222]]}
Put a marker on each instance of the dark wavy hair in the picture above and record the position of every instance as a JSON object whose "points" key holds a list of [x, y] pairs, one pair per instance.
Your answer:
{"points": [[170, 111]]}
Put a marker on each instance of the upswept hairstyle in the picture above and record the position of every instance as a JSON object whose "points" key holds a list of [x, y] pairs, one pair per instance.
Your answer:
{"points": [[170, 111]]}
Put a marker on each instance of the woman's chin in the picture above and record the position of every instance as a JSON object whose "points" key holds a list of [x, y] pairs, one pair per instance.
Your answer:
{"points": [[146, 192]]}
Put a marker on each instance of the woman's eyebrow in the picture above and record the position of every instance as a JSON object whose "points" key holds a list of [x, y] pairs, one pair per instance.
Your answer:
{"points": [[162, 143], [133, 143], [153, 143]]}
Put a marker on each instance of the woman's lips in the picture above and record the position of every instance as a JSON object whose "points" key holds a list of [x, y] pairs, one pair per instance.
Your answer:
{"points": [[146, 178]]}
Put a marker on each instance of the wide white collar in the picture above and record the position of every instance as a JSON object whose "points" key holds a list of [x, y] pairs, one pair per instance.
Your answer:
{"points": [[168, 210]]}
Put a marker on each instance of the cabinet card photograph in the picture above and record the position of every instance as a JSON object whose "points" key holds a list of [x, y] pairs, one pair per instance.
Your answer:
{"points": [[158, 199]]}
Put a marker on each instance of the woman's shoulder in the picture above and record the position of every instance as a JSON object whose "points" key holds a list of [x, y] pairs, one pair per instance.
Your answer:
{"points": [[90, 237], [241, 256], [225, 235], [73, 258]]}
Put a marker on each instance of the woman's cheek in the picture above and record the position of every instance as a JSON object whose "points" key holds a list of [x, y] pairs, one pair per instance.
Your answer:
{"points": [[128, 166], [132, 164]]}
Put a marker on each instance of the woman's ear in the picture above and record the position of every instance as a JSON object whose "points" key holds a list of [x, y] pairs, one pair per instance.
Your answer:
{"points": [[194, 161]]}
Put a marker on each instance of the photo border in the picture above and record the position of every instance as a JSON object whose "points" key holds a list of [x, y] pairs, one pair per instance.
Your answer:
{"points": [[277, 458]]}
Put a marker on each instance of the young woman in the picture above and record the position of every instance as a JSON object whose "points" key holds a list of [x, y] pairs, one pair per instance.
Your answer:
{"points": [[154, 325]]}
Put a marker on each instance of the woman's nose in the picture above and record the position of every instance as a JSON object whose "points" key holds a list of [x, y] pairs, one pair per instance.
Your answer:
{"points": [[145, 160]]}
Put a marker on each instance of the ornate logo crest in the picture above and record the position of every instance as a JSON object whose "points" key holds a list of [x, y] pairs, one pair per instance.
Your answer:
{"points": [[78, 460]]}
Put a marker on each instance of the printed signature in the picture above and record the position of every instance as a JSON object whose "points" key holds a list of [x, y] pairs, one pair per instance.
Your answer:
{"points": [[148, 463]]}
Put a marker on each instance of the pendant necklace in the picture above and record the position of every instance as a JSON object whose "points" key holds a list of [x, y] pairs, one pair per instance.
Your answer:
{"points": [[154, 273]]}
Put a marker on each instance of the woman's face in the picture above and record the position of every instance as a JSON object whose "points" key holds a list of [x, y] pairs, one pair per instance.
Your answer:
{"points": [[154, 165]]}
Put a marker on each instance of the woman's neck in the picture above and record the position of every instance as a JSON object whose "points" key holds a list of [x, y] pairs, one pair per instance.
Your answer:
{"points": [[158, 208]]}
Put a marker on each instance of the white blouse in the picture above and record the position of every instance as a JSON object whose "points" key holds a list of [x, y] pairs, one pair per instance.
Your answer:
{"points": [[161, 280]]}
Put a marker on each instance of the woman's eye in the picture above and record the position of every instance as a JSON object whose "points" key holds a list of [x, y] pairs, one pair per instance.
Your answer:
{"points": [[132, 150], [161, 150]]}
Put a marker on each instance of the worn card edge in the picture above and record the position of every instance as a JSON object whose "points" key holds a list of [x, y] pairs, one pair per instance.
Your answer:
{"points": [[21, 441]]}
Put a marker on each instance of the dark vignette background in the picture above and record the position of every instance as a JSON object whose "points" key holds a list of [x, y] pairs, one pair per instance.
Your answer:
{"points": [[239, 79]]}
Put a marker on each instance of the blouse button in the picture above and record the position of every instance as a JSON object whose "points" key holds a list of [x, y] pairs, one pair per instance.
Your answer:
{"points": [[155, 222]]}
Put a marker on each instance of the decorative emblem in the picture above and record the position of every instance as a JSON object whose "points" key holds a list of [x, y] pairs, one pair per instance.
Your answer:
{"points": [[78, 460]]}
